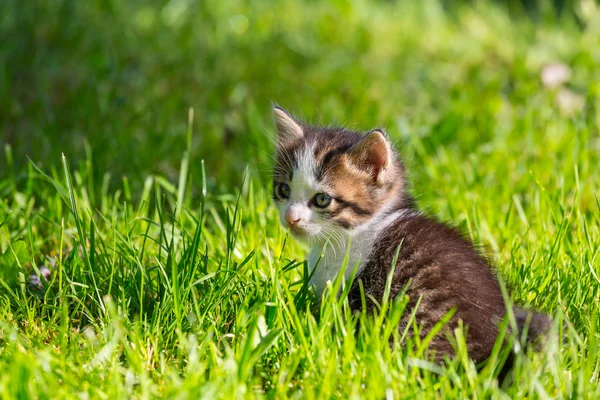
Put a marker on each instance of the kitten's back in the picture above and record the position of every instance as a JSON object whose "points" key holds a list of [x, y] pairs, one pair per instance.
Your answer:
{"points": [[445, 272]]}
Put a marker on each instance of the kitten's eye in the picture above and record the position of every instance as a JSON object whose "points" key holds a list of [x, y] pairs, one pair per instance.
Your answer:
{"points": [[322, 200], [283, 191]]}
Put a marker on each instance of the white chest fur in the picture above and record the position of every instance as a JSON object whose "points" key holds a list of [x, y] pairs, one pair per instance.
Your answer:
{"points": [[328, 257]]}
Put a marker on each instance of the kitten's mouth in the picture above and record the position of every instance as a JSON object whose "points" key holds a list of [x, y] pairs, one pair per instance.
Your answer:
{"points": [[299, 232]]}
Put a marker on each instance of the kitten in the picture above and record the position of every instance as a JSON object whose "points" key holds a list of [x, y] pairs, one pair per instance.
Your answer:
{"points": [[336, 188]]}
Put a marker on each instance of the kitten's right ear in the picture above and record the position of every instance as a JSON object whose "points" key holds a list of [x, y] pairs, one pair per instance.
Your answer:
{"points": [[288, 129], [373, 154]]}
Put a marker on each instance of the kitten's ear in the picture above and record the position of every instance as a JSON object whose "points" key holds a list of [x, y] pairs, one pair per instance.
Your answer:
{"points": [[288, 129], [373, 154]]}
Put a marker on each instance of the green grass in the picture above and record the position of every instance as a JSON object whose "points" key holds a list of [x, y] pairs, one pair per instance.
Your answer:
{"points": [[170, 274]]}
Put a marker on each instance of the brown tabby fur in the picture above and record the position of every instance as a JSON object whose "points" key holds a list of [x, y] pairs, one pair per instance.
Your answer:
{"points": [[443, 270]]}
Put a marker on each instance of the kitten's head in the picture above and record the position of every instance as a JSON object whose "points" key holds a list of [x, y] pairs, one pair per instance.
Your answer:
{"points": [[328, 180]]}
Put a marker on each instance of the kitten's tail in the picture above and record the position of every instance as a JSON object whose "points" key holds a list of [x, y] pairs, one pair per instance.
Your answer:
{"points": [[536, 325]]}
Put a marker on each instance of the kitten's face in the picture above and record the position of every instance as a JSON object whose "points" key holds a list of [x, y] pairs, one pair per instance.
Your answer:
{"points": [[329, 181]]}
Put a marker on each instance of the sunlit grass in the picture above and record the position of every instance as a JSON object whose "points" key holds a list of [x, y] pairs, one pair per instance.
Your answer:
{"points": [[170, 275]]}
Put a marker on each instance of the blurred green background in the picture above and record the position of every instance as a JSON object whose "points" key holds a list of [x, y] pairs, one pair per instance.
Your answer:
{"points": [[494, 107], [111, 82]]}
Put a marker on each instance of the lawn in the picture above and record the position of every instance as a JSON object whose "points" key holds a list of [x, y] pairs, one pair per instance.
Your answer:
{"points": [[135, 174]]}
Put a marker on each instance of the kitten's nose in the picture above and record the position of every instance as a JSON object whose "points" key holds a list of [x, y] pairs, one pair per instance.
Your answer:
{"points": [[291, 217]]}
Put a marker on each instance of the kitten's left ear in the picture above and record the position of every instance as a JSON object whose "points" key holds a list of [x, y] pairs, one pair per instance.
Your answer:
{"points": [[288, 129], [373, 154]]}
